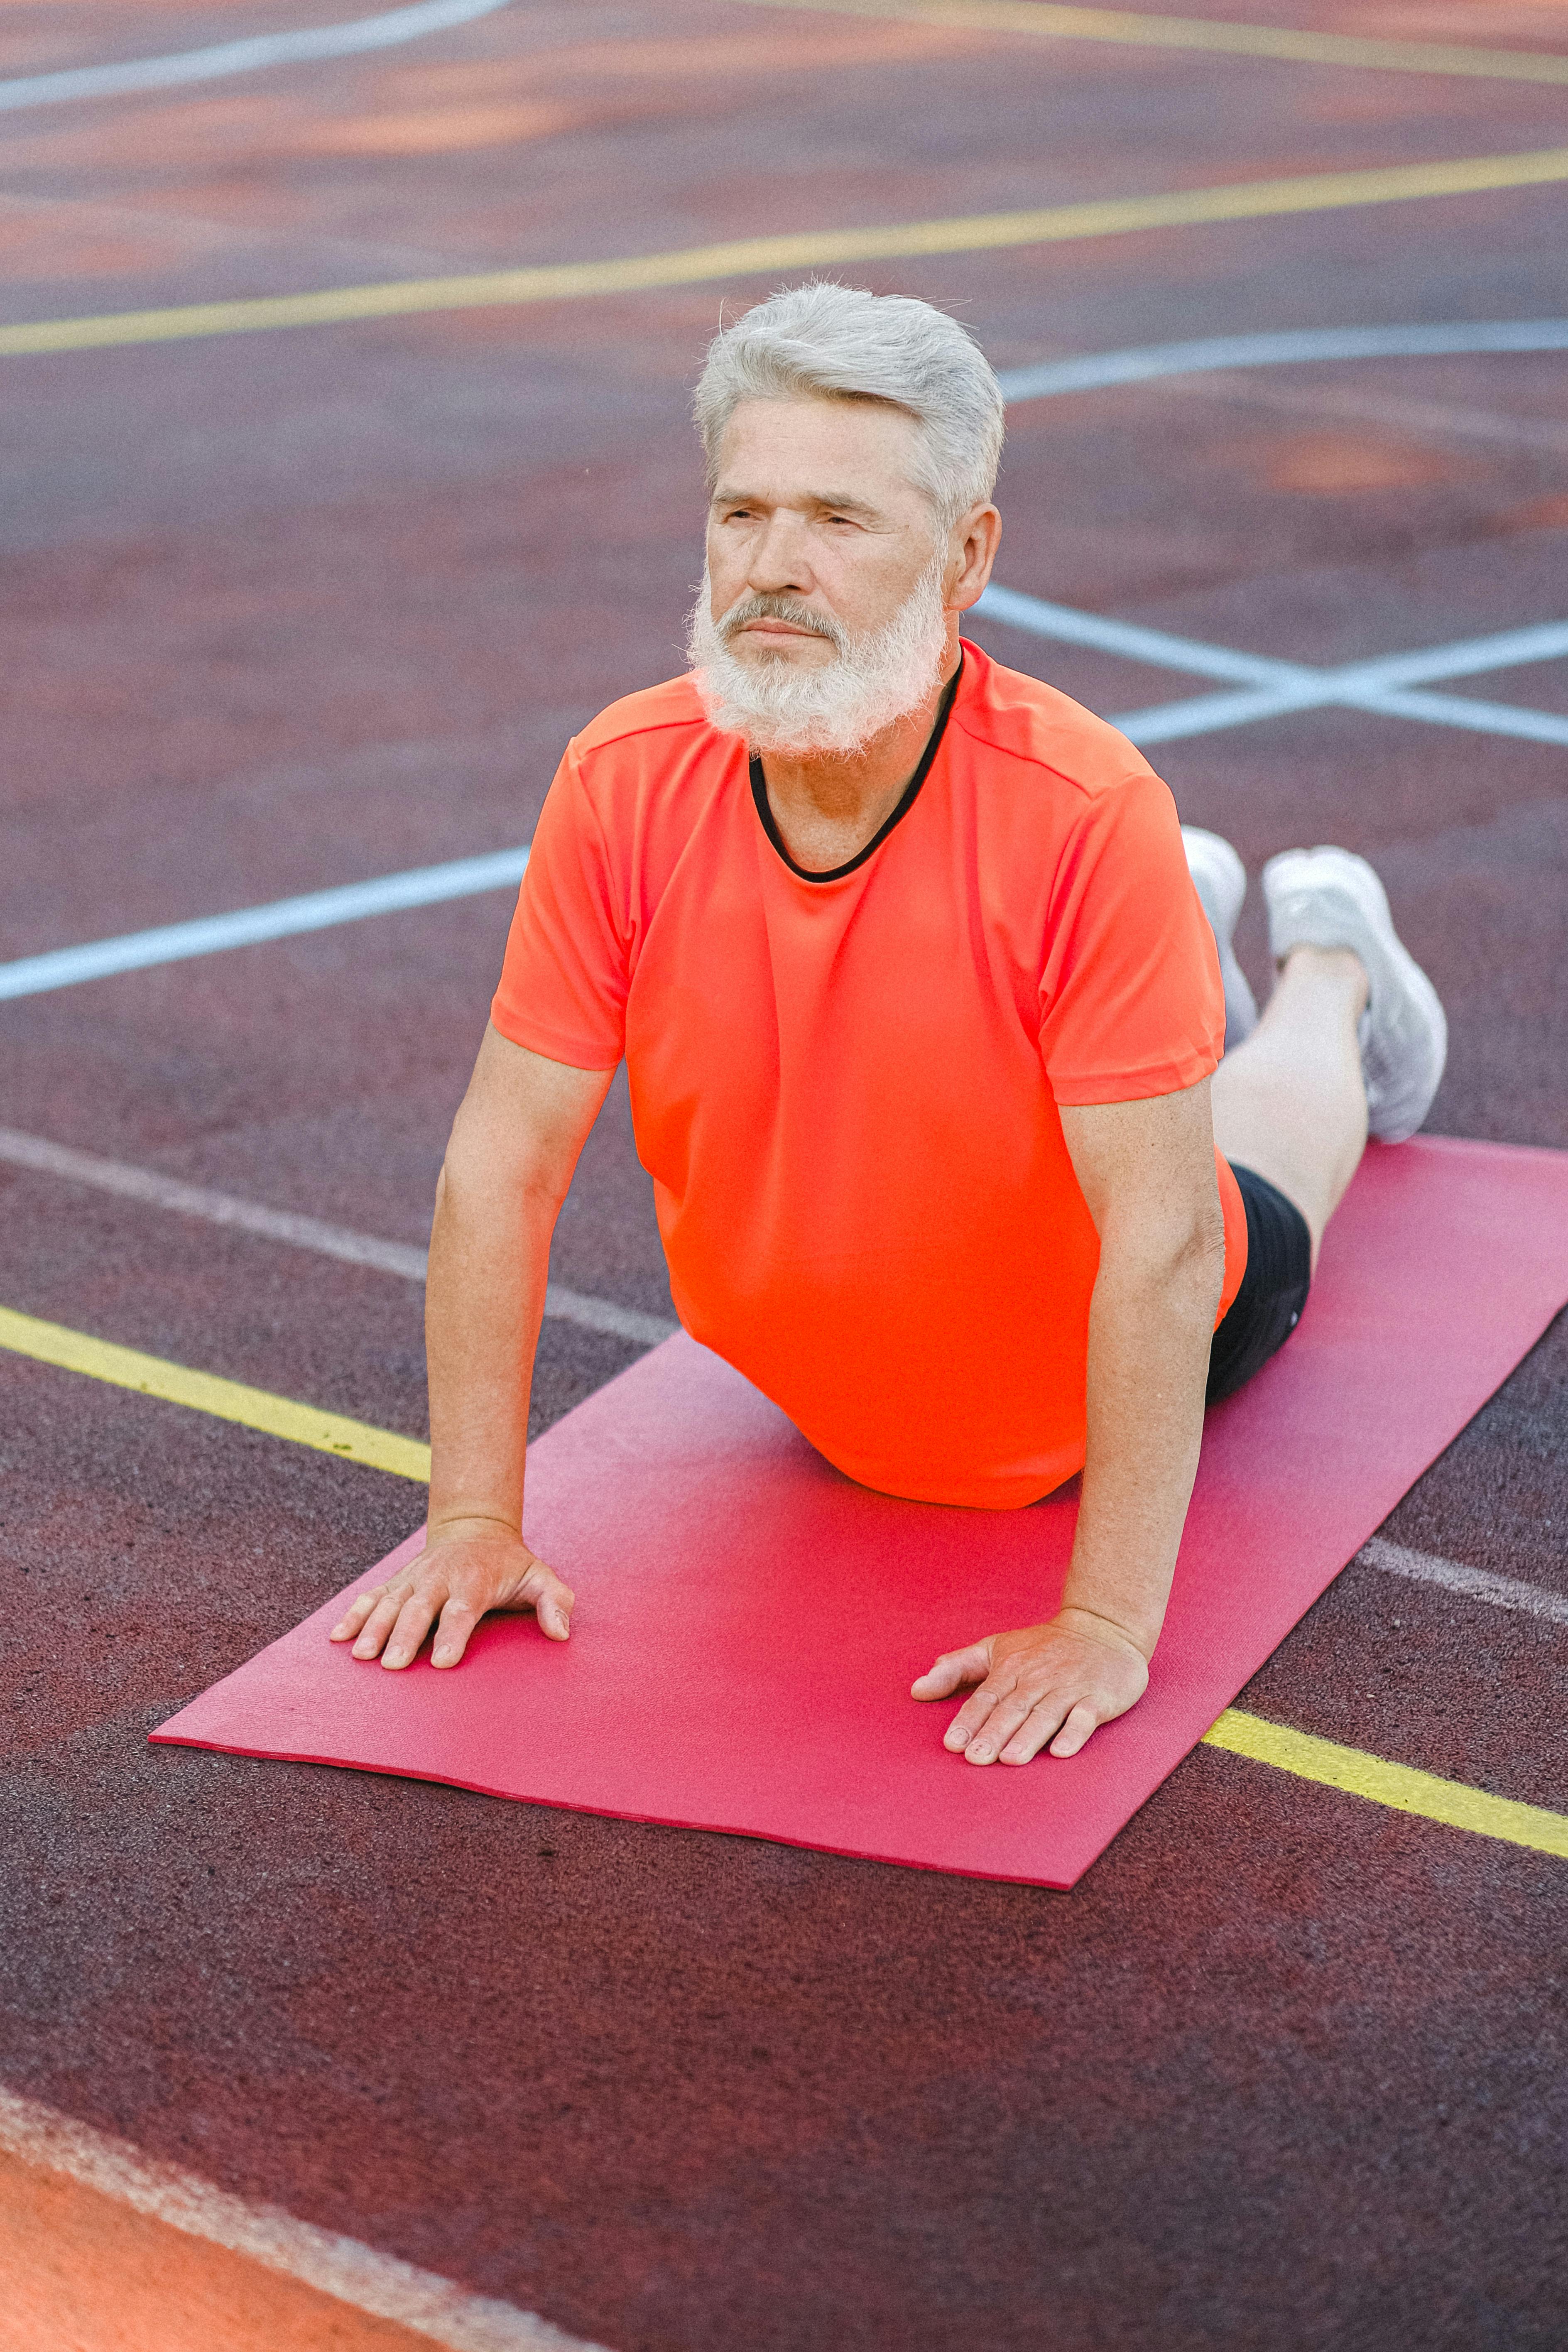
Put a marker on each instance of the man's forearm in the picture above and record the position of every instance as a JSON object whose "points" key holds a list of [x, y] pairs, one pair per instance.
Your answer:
{"points": [[1146, 1169], [514, 1145], [1150, 1324], [489, 1255]]}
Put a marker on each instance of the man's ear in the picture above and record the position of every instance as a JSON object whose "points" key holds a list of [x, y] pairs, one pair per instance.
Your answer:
{"points": [[975, 540]]}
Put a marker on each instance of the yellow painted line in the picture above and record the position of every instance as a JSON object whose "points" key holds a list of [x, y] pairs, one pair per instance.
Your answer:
{"points": [[1399, 1786], [127, 1368], [1211, 33], [812, 249]]}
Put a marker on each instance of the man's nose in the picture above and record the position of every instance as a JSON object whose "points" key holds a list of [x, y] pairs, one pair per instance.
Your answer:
{"points": [[780, 560]]}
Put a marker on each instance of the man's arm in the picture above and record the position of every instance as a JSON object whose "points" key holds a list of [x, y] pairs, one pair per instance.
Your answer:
{"points": [[514, 1144], [1147, 1173]]}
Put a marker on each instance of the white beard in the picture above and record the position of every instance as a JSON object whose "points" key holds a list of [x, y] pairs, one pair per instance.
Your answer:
{"points": [[779, 707]]}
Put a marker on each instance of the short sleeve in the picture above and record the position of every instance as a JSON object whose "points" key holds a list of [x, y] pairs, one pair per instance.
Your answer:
{"points": [[565, 979], [1130, 1001]]}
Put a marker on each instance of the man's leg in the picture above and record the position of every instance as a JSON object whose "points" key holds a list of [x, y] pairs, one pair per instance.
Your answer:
{"points": [[1354, 1039], [1219, 878], [1289, 1102]]}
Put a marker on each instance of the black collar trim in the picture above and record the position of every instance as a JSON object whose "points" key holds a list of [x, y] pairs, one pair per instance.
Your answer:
{"points": [[906, 799]]}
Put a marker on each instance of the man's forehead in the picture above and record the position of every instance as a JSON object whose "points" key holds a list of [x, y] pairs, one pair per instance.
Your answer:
{"points": [[840, 452], [837, 417]]}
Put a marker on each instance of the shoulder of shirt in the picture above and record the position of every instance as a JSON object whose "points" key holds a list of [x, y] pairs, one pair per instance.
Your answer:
{"points": [[655, 710], [1024, 720]]}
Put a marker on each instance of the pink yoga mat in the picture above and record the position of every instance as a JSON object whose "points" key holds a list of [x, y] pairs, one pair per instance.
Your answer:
{"points": [[749, 1622]]}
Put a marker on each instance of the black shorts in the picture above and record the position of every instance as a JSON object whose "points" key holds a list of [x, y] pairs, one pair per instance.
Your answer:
{"points": [[1268, 1307]]}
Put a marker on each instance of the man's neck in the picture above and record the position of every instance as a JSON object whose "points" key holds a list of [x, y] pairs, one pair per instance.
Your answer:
{"points": [[827, 806]]}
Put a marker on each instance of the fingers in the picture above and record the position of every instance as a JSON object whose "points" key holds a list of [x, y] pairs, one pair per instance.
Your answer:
{"points": [[551, 1600], [966, 1724], [356, 1612], [553, 1607], [1044, 1685], [541, 1589], [1075, 1730], [1001, 1728], [1038, 1726], [386, 1605], [414, 1621], [390, 1620], [458, 1620], [1016, 1725], [452, 1592], [952, 1670]]}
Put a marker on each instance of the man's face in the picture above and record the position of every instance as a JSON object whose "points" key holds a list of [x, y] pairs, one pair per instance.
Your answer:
{"points": [[816, 505]]}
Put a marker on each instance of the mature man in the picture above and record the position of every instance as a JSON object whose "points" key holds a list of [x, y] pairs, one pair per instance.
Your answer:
{"points": [[922, 1019]]}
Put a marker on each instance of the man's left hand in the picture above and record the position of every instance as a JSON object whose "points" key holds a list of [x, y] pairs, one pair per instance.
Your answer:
{"points": [[1055, 1682]]}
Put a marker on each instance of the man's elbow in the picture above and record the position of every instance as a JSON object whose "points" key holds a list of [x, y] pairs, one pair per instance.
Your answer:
{"points": [[1178, 1256], [476, 1182], [1206, 1256]]}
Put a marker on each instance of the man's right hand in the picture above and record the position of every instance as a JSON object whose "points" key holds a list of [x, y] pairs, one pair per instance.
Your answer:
{"points": [[468, 1567]]}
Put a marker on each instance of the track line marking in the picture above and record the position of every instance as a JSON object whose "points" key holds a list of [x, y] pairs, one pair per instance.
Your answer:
{"points": [[357, 2274], [1160, 648], [1053, 24], [1398, 1786], [1269, 690], [1352, 1769], [319, 910], [1098, 371], [127, 1367], [160, 1192], [1471, 1583], [243, 57], [1272, 689], [1277, 687], [812, 249], [1478, 718]]}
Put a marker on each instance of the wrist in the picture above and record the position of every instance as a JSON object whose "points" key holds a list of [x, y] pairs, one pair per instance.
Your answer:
{"points": [[468, 1519], [1117, 1633]]}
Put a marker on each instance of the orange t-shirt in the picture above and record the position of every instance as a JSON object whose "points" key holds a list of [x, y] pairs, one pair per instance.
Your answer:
{"points": [[845, 1091]]}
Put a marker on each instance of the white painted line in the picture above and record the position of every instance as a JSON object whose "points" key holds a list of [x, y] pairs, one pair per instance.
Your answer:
{"points": [[604, 1315], [1206, 714], [1480, 718], [1094, 371], [1472, 1584], [424, 886], [1511, 649], [1278, 686], [1383, 685], [404, 1258], [357, 2274], [1362, 686], [1067, 625], [1508, 650], [244, 57]]}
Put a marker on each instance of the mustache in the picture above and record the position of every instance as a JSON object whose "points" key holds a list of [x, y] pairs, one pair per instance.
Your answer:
{"points": [[836, 706], [763, 606]]}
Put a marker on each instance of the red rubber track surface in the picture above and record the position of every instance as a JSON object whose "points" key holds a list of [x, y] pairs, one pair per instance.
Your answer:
{"points": [[1286, 2071]]}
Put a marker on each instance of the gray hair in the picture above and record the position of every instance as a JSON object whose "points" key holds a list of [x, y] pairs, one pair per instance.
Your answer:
{"points": [[838, 343]]}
